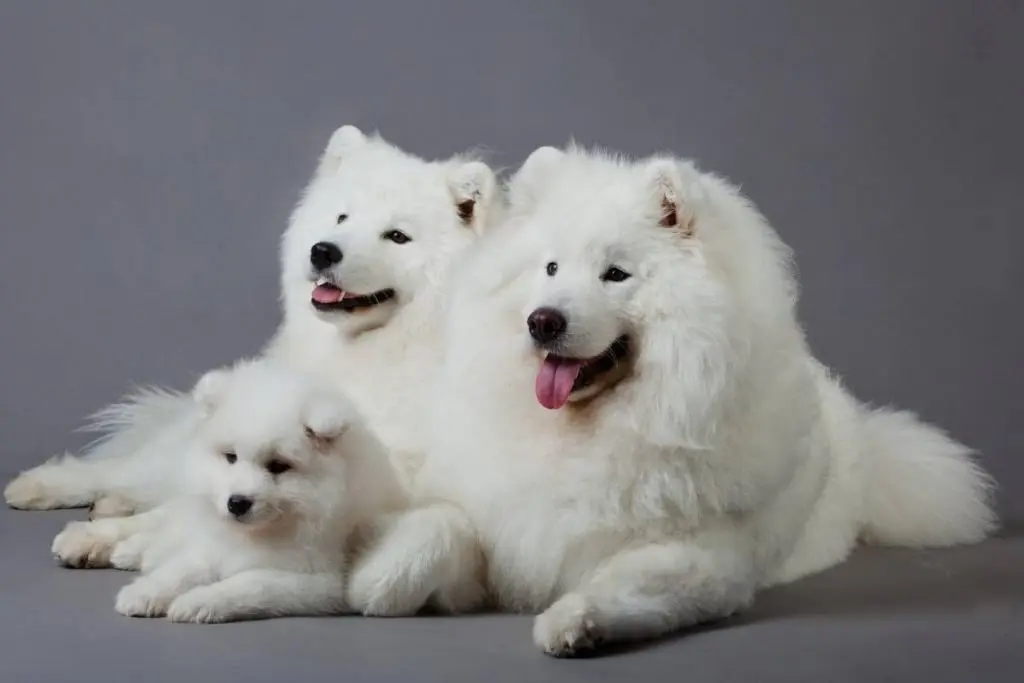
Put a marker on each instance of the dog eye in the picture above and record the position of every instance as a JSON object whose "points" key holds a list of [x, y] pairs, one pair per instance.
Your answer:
{"points": [[230, 457], [397, 236], [342, 217], [615, 274], [552, 268], [276, 466]]}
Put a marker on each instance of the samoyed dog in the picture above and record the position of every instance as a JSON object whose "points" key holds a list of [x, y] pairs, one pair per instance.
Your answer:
{"points": [[282, 473], [632, 435], [364, 263]]}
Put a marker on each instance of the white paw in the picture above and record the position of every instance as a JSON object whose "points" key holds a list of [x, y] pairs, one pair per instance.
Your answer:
{"points": [[202, 605], [567, 628], [79, 546], [36, 490], [142, 599]]}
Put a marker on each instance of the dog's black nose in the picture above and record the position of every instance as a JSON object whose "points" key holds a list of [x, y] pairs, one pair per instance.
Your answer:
{"points": [[323, 255], [546, 325], [239, 505]]}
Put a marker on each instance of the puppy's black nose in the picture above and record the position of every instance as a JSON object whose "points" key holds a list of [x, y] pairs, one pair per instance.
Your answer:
{"points": [[323, 255], [239, 505], [546, 325]]}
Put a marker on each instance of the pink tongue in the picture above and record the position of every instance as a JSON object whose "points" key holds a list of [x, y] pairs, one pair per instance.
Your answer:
{"points": [[326, 294], [554, 381]]}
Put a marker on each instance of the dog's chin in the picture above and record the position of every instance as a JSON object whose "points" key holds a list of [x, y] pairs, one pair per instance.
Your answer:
{"points": [[590, 376]]}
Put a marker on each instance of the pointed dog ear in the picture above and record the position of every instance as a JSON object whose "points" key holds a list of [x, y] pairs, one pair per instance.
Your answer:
{"points": [[327, 419], [472, 185], [526, 184], [209, 390], [666, 181], [342, 142]]}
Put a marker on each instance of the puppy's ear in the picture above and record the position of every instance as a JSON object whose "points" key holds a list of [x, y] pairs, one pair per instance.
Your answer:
{"points": [[210, 388], [472, 186], [327, 418], [526, 184], [342, 142], [669, 182]]}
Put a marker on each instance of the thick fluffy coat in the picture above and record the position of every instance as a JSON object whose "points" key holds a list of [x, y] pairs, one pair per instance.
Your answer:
{"points": [[632, 435]]}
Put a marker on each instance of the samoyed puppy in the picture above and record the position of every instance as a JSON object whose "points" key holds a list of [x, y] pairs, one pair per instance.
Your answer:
{"points": [[282, 474], [632, 435], [364, 263]]}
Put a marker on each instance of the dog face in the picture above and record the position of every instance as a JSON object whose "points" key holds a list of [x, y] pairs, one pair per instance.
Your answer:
{"points": [[617, 255], [376, 228], [271, 448]]}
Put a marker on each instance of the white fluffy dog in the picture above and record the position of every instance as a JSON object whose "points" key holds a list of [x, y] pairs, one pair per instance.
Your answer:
{"points": [[282, 475], [364, 263], [630, 425]]}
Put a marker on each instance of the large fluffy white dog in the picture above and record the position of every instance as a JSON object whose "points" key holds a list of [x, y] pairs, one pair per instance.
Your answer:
{"points": [[364, 263], [631, 428]]}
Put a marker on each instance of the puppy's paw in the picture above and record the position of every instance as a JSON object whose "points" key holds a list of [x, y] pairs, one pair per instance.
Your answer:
{"points": [[567, 628], [127, 555], [141, 598], [44, 488], [381, 588], [80, 546], [203, 605]]}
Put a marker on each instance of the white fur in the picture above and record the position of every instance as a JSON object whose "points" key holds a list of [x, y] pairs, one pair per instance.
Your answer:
{"points": [[383, 358], [288, 552], [722, 459]]}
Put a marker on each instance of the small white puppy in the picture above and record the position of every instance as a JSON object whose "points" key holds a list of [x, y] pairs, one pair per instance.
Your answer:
{"points": [[282, 474]]}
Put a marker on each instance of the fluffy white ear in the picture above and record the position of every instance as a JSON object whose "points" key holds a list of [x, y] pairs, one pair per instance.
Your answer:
{"points": [[667, 180], [342, 142], [526, 183], [327, 418], [472, 185], [210, 388]]}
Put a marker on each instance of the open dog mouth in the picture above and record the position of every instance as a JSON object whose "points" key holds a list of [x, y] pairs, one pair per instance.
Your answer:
{"points": [[327, 296], [560, 377]]}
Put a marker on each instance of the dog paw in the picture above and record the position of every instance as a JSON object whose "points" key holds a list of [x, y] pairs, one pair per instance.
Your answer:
{"points": [[40, 489], [377, 590], [567, 628], [79, 546], [141, 599], [199, 606]]}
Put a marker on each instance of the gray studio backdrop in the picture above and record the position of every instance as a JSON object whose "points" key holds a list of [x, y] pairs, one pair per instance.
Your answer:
{"points": [[150, 153]]}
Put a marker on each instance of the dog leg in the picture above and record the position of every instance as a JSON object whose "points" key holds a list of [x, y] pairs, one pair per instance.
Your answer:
{"points": [[427, 554], [90, 544], [151, 594], [646, 592], [261, 594]]}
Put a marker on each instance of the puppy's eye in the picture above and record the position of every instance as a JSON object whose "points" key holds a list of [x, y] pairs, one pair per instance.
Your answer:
{"points": [[277, 466], [342, 217], [397, 236], [230, 457], [552, 268], [615, 274]]}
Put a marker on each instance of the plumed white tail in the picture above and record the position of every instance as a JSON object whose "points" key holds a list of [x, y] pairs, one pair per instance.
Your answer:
{"points": [[126, 426], [922, 488]]}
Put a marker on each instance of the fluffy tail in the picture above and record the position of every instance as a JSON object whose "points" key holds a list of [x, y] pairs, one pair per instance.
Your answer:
{"points": [[921, 487]]}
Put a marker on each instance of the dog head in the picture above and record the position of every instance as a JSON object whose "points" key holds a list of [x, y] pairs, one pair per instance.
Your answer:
{"points": [[272, 447], [376, 228]]}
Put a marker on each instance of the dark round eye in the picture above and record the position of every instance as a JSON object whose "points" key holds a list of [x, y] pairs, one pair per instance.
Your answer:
{"points": [[397, 236], [615, 274], [552, 268], [277, 466], [230, 457], [342, 217]]}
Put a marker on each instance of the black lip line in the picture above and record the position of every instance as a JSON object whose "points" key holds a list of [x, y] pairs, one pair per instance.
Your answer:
{"points": [[356, 302], [604, 362]]}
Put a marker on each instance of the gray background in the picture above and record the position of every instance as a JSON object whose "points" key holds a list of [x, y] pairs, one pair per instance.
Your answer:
{"points": [[150, 153]]}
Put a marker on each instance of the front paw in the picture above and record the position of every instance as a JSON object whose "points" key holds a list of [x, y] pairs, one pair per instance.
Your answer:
{"points": [[142, 599], [381, 588], [79, 546], [567, 628], [202, 605]]}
